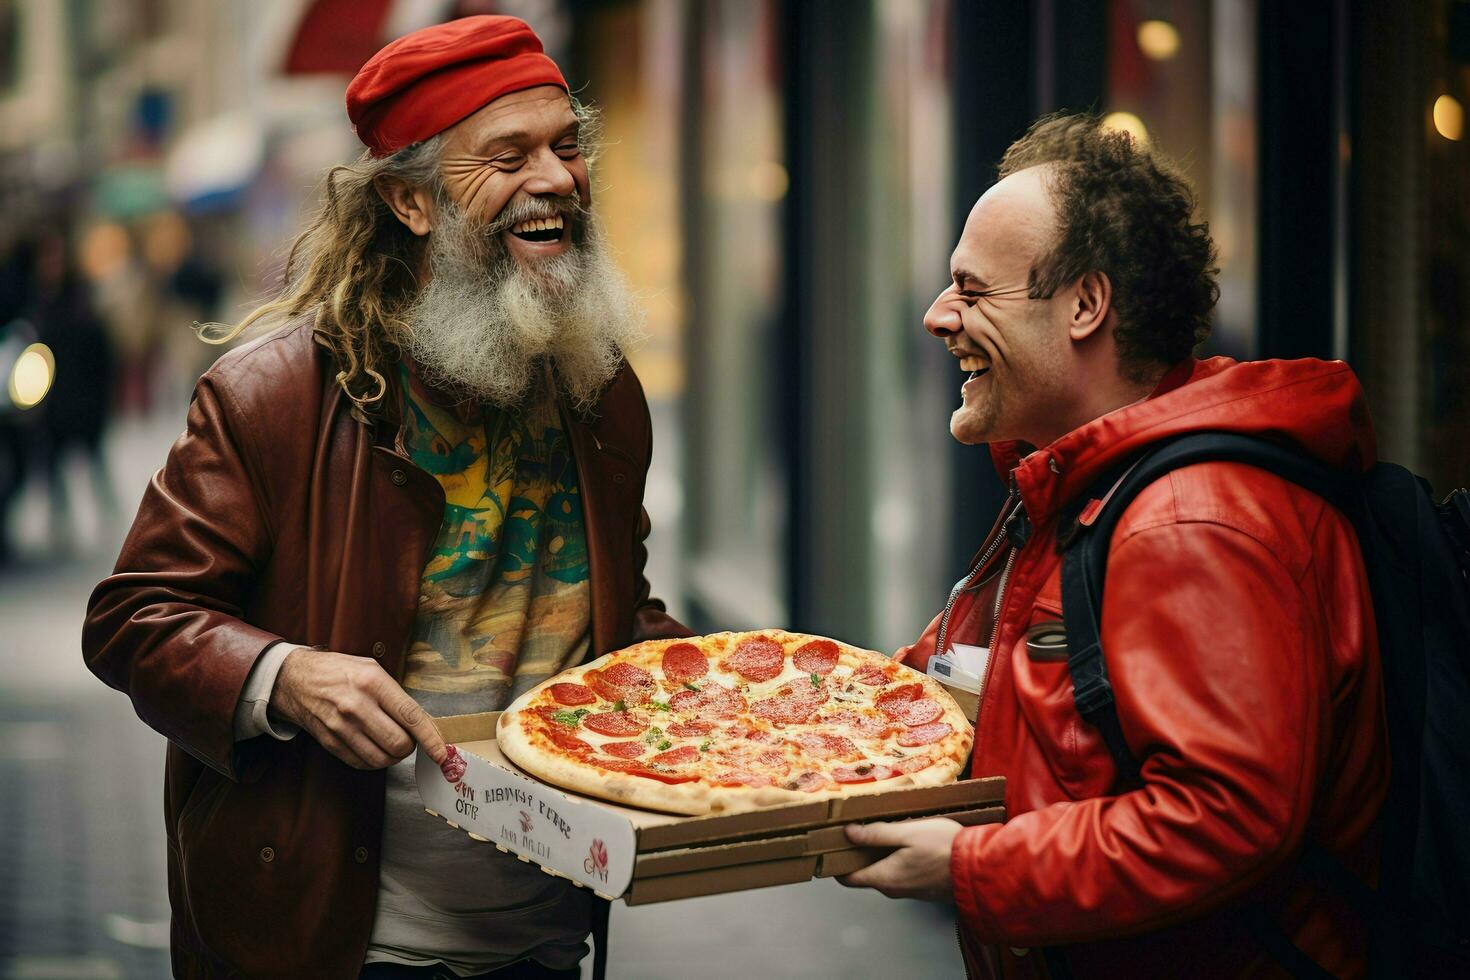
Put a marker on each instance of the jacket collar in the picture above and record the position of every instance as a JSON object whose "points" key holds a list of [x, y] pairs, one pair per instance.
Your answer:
{"points": [[1316, 406]]}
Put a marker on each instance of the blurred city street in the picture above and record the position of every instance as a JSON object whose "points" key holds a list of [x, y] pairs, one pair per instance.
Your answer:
{"points": [[82, 890], [782, 184]]}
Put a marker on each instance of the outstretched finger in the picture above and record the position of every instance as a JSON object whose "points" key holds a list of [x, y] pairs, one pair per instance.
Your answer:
{"points": [[416, 721]]}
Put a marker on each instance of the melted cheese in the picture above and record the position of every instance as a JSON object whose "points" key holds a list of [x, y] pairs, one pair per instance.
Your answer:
{"points": [[858, 701]]}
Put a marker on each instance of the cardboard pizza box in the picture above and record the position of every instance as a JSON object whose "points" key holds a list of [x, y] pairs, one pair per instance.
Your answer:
{"points": [[643, 857]]}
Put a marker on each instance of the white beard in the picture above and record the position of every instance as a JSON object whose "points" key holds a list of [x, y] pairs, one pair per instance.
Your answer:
{"points": [[488, 326]]}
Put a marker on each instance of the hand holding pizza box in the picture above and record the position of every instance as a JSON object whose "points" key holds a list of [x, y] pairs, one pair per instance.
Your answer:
{"points": [[770, 741]]}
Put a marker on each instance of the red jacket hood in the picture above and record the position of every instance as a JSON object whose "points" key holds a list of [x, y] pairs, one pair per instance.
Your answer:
{"points": [[1317, 406]]}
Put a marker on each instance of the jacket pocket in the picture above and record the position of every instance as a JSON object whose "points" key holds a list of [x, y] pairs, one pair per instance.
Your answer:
{"points": [[1044, 690]]}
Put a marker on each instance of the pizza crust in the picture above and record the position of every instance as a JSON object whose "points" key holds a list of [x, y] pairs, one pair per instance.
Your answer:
{"points": [[518, 738]]}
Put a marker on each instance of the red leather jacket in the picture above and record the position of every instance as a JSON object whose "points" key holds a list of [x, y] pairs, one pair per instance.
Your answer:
{"points": [[1241, 645], [279, 515]]}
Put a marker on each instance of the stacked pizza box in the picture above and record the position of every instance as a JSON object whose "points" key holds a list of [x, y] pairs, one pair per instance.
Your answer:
{"points": [[643, 856]]}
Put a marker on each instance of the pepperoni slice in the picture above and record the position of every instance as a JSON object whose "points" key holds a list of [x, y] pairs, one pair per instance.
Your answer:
{"points": [[712, 701], [825, 746], [914, 713], [889, 700], [783, 711], [816, 657], [722, 703], [562, 740], [864, 725], [621, 765], [914, 763], [871, 674], [756, 659], [684, 662], [691, 728], [774, 758], [666, 777], [792, 704], [863, 772], [681, 756], [745, 733], [809, 782], [741, 778], [636, 768], [625, 750], [622, 682], [687, 701], [619, 724], [925, 734], [572, 694]]}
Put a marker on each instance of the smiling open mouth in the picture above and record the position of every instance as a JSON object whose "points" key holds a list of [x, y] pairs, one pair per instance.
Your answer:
{"points": [[976, 366], [541, 230]]}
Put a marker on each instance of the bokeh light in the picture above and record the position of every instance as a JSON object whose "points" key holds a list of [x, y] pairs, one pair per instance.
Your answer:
{"points": [[1449, 117], [104, 251], [1128, 123], [769, 181], [1158, 39], [31, 376]]}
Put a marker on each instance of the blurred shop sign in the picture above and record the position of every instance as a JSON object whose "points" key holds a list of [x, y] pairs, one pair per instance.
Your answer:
{"points": [[214, 161]]}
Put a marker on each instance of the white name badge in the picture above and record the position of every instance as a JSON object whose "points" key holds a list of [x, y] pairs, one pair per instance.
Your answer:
{"points": [[962, 666], [568, 837]]}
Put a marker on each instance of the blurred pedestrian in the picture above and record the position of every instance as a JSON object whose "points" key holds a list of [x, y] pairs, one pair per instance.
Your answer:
{"points": [[330, 555], [1237, 619], [77, 409]]}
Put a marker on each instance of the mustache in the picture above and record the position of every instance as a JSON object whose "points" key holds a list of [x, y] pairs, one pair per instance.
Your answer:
{"points": [[535, 208]]}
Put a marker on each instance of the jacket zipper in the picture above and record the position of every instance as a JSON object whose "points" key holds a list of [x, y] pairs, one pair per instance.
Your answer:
{"points": [[1000, 598], [1011, 507], [1017, 513]]}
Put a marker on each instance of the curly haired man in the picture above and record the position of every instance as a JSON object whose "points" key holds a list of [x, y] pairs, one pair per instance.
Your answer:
{"points": [[420, 496], [1236, 617]]}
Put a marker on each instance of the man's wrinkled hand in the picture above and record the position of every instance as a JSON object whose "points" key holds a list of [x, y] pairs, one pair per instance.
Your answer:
{"points": [[919, 868], [353, 709]]}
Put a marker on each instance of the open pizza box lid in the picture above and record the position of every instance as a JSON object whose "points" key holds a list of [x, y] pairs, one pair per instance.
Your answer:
{"points": [[642, 856]]}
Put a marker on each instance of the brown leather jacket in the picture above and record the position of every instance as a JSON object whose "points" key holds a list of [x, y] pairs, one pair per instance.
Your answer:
{"points": [[279, 515]]}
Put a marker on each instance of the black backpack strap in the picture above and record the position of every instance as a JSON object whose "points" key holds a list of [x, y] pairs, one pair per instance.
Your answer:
{"points": [[1085, 544], [1085, 558], [1091, 690]]}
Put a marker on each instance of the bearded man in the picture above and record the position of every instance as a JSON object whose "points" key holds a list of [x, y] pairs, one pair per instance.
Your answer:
{"points": [[420, 496]]}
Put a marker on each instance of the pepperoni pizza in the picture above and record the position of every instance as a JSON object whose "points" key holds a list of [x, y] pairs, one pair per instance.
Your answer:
{"points": [[736, 721]]}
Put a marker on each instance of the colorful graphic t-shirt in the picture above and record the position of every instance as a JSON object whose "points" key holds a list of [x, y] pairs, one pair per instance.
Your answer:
{"points": [[504, 602]]}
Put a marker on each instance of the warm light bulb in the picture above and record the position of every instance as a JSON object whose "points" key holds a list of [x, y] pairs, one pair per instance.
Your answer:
{"points": [[769, 181], [30, 379], [1158, 39], [1128, 123], [1449, 117]]}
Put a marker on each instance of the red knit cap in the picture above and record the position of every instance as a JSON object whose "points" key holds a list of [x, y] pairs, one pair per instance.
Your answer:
{"points": [[425, 82]]}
